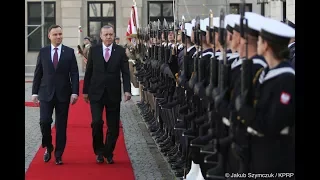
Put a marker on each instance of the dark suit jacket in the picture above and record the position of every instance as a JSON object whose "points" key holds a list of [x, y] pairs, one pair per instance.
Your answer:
{"points": [[97, 80], [62, 81]]}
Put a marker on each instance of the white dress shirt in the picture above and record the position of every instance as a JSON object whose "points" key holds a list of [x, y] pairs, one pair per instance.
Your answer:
{"points": [[53, 51]]}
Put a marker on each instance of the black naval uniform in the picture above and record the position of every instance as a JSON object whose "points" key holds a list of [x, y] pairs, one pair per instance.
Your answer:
{"points": [[190, 52], [206, 57], [241, 144], [227, 104], [189, 55], [229, 54], [233, 57], [272, 146], [180, 48]]}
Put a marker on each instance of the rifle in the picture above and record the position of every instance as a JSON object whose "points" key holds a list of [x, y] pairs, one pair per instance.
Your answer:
{"points": [[166, 48], [213, 61], [221, 142], [193, 80], [213, 75], [246, 94], [194, 76], [198, 88], [246, 72], [183, 75]]}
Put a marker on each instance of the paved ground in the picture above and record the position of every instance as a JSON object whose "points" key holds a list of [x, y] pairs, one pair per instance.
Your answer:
{"points": [[147, 161]]}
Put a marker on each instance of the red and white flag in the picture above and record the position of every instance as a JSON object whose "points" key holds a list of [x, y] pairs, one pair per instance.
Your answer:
{"points": [[132, 25]]}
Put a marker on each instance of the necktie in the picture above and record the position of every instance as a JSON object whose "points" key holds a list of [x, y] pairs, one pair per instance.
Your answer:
{"points": [[55, 58], [107, 55]]}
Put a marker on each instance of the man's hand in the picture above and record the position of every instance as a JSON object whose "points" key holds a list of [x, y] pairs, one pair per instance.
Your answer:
{"points": [[73, 99], [85, 60], [127, 96], [35, 99], [86, 98]]}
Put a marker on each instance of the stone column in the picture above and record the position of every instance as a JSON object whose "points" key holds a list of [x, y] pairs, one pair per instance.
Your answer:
{"points": [[291, 10], [70, 21], [274, 10]]}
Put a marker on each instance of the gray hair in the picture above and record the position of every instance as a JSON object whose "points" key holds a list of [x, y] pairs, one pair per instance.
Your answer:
{"points": [[107, 27]]}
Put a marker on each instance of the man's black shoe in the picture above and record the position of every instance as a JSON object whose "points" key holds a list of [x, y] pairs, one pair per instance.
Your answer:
{"points": [[47, 155], [99, 159], [109, 160], [59, 161]]}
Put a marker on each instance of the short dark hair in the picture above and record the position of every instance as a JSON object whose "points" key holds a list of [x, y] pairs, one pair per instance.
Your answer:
{"points": [[53, 27]]}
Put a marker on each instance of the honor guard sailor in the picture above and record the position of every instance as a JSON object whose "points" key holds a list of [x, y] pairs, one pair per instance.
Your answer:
{"points": [[230, 23], [218, 47], [191, 49], [242, 73], [271, 120]]}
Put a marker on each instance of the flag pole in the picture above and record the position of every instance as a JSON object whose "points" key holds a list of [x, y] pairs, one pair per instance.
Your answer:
{"points": [[174, 13]]}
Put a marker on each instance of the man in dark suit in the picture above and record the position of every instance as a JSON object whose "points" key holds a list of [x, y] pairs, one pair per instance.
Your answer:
{"points": [[102, 86], [55, 85]]}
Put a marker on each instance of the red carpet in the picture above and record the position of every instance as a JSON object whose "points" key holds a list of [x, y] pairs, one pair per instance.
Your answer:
{"points": [[30, 104], [79, 159]]}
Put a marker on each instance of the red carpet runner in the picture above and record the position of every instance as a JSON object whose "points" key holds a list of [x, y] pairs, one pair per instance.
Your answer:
{"points": [[79, 159], [30, 104]]}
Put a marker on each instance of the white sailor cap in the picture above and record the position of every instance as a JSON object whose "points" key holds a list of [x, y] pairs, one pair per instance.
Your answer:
{"points": [[231, 18], [193, 22], [230, 22], [227, 20], [276, 31], [188, 28], [236, 21], [203, 24], [216, 23], [255, 22]]}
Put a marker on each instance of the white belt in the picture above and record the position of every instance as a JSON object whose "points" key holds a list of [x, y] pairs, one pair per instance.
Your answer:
{"points": [[250, 130], [226, 121]]}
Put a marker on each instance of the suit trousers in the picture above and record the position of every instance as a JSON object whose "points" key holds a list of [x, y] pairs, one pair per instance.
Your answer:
{"points": [[61, 113], [112, 117]]}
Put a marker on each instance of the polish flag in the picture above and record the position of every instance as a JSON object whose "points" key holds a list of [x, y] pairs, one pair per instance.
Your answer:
{"points": [[133, 25]]}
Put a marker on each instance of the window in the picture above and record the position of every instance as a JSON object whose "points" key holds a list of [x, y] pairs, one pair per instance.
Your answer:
{"points": [[100, 13], [262, 9], [284, 10], [34, 18], [235, 8], [160, 10]]}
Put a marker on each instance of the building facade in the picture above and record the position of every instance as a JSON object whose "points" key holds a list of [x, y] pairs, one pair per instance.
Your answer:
{"points": [[91, 15]]}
